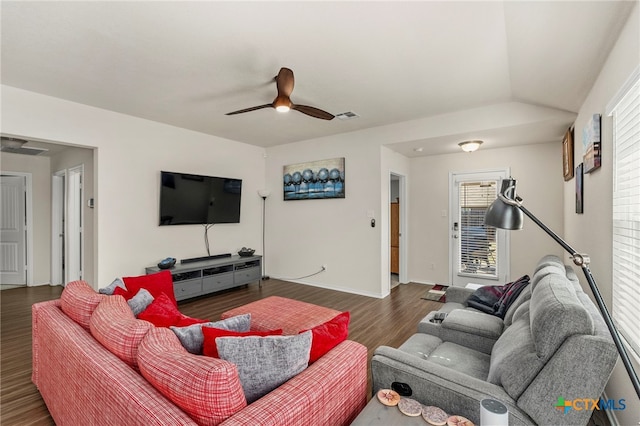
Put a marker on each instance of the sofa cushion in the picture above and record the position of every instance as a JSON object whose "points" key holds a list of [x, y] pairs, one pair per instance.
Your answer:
{"points": [[140, 301], [114, 326], [208, 389], [160, 282], [514, 363], [192, 338], [210, 347], [328, 335], [264, 363], [556, 314], [548, 265], [474, 322], [78, 301], [460, 358]]}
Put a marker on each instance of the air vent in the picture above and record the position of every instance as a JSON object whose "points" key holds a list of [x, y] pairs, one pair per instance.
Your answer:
{"points": [[24, 150], [349, 115]]}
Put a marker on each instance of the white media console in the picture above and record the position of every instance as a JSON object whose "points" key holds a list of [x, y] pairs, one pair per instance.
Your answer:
{"points": [[208, 276]]}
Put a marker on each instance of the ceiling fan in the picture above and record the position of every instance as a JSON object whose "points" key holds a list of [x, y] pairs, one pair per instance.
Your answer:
{"points": [[282, 102]]}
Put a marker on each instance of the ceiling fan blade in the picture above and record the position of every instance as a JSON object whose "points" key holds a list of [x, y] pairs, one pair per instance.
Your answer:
{"points": [[284, 82], [313, 112], [240, 111]]}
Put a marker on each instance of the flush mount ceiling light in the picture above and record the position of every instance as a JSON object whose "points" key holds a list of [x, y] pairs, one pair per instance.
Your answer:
{"points": [[470, 146]]}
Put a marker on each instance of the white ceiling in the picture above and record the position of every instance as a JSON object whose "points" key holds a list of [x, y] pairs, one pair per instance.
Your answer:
{"points": [[424, 73]]}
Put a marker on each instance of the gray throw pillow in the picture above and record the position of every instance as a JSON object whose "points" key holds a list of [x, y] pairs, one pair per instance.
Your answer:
{"points": [[140, 301], [112, 287], [264, 363], [192, 338]]}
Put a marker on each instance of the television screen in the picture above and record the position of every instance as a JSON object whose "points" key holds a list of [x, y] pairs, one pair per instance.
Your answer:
{"points": [[187, 199]]}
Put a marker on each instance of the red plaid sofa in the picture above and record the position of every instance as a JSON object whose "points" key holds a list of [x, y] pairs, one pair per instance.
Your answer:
{"points": [[82, 382]]}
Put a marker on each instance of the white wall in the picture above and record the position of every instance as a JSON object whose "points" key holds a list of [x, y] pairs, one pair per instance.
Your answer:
{"points": [[130, 154], [303, 235], [39, 167], [538, 171], [591, 232]]}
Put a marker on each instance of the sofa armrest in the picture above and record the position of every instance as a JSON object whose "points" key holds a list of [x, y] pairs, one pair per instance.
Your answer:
{"points": [[433, 384], [458, 294], [472, 329], [332, 390]]}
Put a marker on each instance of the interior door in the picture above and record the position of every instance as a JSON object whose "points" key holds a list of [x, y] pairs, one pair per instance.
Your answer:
{"points": [[478, 254], [13, 266], [74, 239], [395, 238]]}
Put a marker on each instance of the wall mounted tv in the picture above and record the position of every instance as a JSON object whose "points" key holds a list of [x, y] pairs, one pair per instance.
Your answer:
{"points": [[187, 199]]}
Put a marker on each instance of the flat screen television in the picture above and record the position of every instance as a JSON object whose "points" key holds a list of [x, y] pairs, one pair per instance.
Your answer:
{"points": [[187, 199]]}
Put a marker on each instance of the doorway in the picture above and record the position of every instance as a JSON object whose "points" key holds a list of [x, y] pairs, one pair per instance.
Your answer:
{"points": [[397, 240], [478, 254], [16, 225], [67, 225]]}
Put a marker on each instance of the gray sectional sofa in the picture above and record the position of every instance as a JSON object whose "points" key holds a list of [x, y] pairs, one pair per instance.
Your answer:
{"points": [[552, 343]]}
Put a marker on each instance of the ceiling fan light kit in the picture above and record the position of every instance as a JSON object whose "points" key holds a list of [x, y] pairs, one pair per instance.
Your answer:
{"points": [[470, 146], [282, 102]]}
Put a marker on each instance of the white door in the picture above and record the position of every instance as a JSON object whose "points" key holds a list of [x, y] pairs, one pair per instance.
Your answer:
{"points": [[57, 227], [13, 259], [73, 264], [478, 254]]}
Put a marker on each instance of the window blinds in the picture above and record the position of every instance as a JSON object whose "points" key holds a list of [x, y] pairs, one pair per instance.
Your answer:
{"points": [[626, 214], [477, 241]]}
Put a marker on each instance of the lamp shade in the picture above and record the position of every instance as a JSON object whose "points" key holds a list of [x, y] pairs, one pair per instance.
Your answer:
{"points": [[504, 212], [264, 193]]}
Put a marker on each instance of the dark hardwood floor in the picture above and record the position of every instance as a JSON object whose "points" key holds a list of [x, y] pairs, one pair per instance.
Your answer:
{"points": [[374, 322]]}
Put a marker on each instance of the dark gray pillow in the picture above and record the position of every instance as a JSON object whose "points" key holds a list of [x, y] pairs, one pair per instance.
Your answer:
{"points": [[140, 301], [192, 338], [112, 287], [264, 363]]}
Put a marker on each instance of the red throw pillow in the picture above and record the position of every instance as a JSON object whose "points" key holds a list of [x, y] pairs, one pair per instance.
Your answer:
{"points": [[161, 312], [209, 348], [185, 321], [119, 291], [160, 282], [328, 335]]}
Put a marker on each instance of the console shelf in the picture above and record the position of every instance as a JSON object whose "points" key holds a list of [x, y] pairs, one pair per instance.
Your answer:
{"points": [[208, 276]]}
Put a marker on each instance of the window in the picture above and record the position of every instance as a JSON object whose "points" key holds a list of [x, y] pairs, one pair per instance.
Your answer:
{"points": [[625, 111], [477, 241]]}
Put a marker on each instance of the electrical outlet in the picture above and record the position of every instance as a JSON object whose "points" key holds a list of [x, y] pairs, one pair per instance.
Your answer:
{"points": [[324, 267]]}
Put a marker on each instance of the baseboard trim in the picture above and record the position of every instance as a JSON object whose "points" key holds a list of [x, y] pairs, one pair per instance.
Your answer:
{"points": [[342, 289]]}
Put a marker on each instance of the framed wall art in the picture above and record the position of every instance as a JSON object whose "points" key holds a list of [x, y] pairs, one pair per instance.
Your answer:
{"points": [[591, 144], [567, 154], [579, 189], [314, 180]]}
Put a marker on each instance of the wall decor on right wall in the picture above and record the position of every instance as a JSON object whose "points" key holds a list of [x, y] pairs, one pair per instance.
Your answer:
{"points": [[591, 144], [579, 189], [567, 154]]}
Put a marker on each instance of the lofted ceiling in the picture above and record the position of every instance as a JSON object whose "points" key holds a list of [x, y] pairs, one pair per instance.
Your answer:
{"points": [[424, 74]]}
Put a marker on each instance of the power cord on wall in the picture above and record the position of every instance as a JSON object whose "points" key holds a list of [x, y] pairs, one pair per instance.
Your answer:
{"points": [[322, 269]]}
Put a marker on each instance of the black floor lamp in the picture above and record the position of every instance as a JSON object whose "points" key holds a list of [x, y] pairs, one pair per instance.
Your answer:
{"points": [[264, 193], [506, 213]]}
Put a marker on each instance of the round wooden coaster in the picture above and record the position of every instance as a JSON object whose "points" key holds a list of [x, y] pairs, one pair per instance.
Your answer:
{"points": [[434, 415], [459, 421], [410, 407], [388, 397]]}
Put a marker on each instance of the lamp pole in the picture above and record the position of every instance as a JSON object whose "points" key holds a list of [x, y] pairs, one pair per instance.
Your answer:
{"points": [[264, 194]]}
